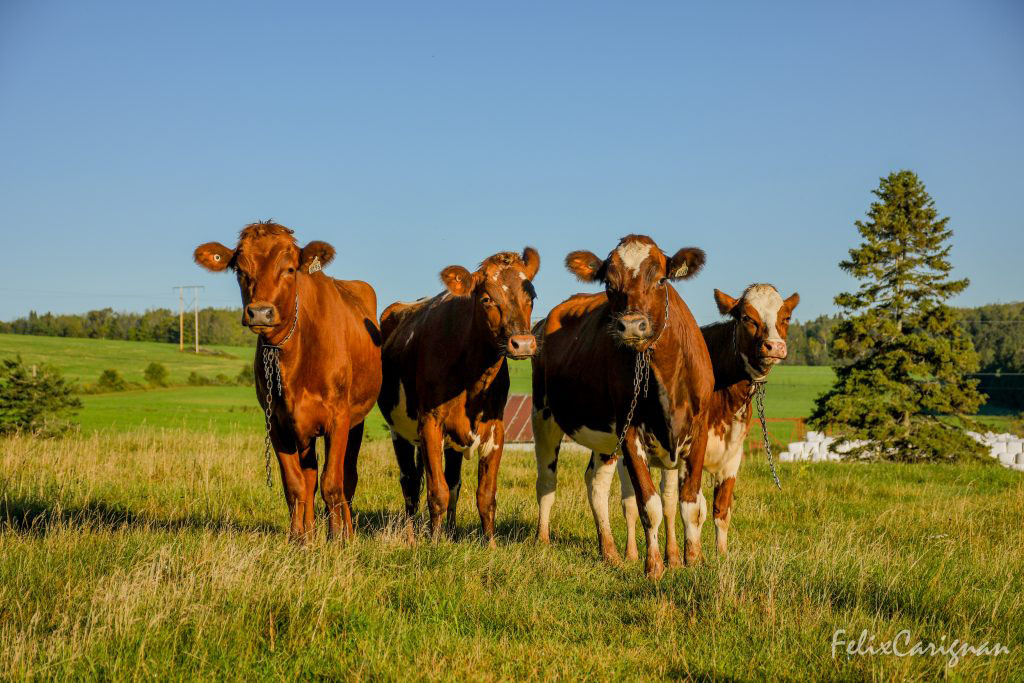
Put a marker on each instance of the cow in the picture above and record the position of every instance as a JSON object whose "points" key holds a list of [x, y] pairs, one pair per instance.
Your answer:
{"points": [[446, 381], [317, 363], [743, 351], [592, 347]]}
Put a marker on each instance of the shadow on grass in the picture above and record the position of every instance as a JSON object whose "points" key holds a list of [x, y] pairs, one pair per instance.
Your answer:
{"points": [[36, 517]]}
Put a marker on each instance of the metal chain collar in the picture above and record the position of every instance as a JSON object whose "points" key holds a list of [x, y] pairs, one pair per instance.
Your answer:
{"points": [[759, 389], [641, 375], [272, 376]]}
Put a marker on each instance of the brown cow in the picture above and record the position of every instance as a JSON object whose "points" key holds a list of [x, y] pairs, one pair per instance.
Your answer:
{"points": [[446, 380], [583, 385], [326, 335], [743, 350]]}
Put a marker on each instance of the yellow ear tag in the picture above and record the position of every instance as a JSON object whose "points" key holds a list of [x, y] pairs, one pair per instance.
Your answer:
{"points": [[315, 265]]}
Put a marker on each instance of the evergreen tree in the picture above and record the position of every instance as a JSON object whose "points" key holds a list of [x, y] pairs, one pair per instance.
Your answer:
{"points": [[904, 354], [35, 400]]}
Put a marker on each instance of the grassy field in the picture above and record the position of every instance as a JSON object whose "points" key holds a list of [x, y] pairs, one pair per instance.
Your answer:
{"points": [[82, 360], [151, 553], [233, 408]]}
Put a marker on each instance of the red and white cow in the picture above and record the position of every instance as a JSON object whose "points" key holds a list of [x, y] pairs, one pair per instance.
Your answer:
{"points": [[583, 385], [743, 351]]}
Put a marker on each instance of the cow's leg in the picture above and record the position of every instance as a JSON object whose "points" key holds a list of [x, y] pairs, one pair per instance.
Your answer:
{"points": [[453, 477], [724, 483], [487, 480], [694, 506], [355, 442], [308, 463], [410, 477], [723, 512], [629, 510], [292, 481], [599, 481], [547, 437], [648, 501], [670, 503], [332, 483], [432, 445]]}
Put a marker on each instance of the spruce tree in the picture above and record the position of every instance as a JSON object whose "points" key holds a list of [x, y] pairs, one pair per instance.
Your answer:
{"points": [[37, 400], [904, 356]]}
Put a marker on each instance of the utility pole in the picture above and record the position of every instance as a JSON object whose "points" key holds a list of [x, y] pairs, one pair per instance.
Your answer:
{"points": [[181, 318], [181, 313], [195, 295]]}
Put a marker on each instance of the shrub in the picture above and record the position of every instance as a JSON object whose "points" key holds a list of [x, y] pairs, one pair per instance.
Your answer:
{"points": [[197, 380], [111, 380], [35, 400], [246, 376], [156, 374]]}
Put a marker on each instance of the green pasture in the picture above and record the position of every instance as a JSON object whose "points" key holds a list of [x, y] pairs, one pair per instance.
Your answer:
{"points": [[222, 409], [132, 554], [82, 360]]}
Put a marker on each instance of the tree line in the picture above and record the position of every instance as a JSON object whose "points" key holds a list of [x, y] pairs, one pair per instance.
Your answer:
{"points": [[995, 329], [216, 326]]}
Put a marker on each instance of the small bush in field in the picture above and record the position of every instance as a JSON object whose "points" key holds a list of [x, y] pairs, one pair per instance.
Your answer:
{"points": [[245, 376], [156, 374], [111, 380], [197, 380]]}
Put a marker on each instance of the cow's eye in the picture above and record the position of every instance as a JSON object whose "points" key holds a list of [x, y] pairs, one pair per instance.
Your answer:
{"points": [[290, 270], [485, 300], [747, 319]]}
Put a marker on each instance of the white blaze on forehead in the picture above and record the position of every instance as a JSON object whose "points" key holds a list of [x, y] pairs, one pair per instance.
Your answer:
{"points": [[633, 254], [767, 301]]}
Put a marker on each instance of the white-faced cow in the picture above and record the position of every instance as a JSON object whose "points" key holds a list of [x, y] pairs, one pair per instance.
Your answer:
{"points": [[583, 385], [324, 334], [446, 380], [743, 350]]}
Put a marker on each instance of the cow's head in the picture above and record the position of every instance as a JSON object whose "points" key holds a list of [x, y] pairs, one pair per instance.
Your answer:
{"points": [[502, 291], [267, 262], [762, 317], [634, 277]]}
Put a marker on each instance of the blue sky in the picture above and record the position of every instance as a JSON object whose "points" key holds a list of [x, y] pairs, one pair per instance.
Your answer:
{"points": [[416, 135]]}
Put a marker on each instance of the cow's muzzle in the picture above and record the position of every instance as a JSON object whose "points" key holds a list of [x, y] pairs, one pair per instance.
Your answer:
{"points": [[773, 349], [634, 329], [521, 346], [260, 315]]}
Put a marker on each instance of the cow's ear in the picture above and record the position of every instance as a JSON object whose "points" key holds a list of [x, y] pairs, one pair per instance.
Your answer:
{"points": [[584, 265], [315, 256], [458, 280], [532, 260], [685, 264], [725, 302], [791, 302], [213, 256]]}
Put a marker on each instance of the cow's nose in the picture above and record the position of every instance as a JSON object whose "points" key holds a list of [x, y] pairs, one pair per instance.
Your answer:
{"points": [[634, 326], [522, 345], [773, 348], [259, 315]]}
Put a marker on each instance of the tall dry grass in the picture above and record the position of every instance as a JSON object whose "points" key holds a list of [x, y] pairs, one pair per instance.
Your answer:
{"points": [[160, 554]]}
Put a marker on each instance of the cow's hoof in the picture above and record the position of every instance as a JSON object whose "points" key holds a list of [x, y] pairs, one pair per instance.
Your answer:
{"points": [[631, 553], [694, 558], [611, 556], [654, 568], [490, 543], [673, 560], [543, 538]]}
